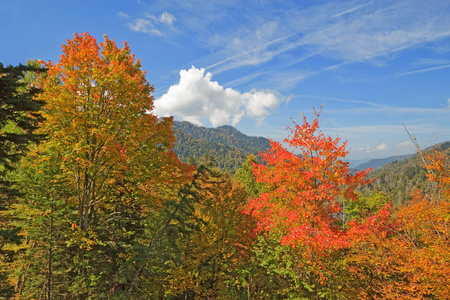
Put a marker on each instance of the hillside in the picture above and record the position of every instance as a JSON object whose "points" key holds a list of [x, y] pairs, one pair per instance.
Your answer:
{"points": [[380, 162], [228, 146], [399, 178]]}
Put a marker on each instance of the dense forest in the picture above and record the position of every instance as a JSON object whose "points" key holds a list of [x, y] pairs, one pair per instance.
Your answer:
{"points": [[399, 179], [227, 146], [95, 204]]}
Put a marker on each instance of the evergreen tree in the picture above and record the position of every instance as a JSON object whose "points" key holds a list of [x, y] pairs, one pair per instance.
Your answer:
{"points": [[19, 118]]}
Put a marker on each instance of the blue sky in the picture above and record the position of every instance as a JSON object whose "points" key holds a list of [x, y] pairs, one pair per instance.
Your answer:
{"points": [[373, 65]]}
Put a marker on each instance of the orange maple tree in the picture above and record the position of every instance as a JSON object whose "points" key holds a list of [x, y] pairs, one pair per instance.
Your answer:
{"points": [[409, 259], [114, 156], [97, 115], [406, 254]]}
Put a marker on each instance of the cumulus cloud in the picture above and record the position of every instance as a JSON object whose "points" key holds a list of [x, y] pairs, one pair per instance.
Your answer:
{"points": [[196, 97]]}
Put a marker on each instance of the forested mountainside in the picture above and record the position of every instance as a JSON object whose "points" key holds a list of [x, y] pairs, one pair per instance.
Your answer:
{"points": [[380, 162], [399, 179], [396, 176], [228, 146]]}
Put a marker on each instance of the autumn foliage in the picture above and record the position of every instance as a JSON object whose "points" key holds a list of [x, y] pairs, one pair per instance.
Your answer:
{"points": [[306, 191], [97, 181], [105, 210], [389, 253]]}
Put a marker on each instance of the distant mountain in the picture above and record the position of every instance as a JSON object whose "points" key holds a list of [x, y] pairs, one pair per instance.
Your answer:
{"points": [[379, 162], [402, 176], [356, 162], [395, 175], [227, 145]]}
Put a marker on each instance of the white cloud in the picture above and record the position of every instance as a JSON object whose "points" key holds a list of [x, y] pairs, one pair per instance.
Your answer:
{"points": [[380, 148], [167, 18], [405, 144], [431, 61], [348, 11], [123, 15], [253, 48], [341, 30], [139, 25], [196, 97], [377, 29], [149, 25], [144, 25], [425, 70], [383, 147]]}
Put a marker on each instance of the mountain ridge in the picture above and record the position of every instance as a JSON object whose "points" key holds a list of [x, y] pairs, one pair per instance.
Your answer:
{"points": [[227, 145], [230, 147], [377, 163]]}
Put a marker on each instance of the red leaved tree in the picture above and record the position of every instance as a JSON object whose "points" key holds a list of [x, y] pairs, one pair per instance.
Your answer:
{"points": [[305, 191]]}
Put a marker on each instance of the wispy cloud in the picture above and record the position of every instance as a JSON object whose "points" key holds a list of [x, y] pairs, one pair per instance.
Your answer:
{"points": [[336, 30], [377, 31], [369, 107], [149, 24], [165, 18], [287, 79], [424, 70], [344, 32], [369, 104], [144, 25], [381, 130], [123, 15], [250, 57], [392, 110], [367, 129], [247, 78], [350, 10], [430, 62]]}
